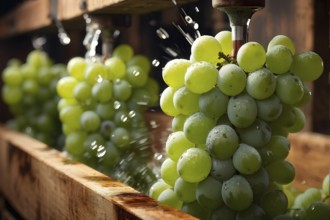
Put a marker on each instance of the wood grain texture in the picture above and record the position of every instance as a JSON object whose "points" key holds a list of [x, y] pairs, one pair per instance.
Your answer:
{"points": [[41, 183], [34, 15], [29, 15], [310, 155]]}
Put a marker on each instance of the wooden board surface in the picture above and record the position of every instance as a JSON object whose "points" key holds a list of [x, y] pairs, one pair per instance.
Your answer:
{"points": [[30, 15], [35, 15], [310, 154], [41, 183]]}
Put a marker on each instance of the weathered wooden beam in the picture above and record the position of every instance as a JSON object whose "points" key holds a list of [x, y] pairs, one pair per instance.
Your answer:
{"points": [[42, 183], [34, 15], [310, 154]]}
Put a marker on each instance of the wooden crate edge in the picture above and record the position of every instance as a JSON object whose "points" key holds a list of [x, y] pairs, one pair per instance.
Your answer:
{"points": [[42, 183]]}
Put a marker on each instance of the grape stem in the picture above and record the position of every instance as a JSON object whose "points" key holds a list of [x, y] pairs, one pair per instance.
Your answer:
{"points": [[227, 59]]}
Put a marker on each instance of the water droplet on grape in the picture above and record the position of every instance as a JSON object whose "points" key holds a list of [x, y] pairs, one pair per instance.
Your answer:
{"points": [[101, 151], [136, 73], [132, 114], [155, 63], [116, 105]]}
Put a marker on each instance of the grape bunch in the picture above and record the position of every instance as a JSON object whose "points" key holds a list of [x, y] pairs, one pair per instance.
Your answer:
{"points": [[29, 90], [312, 203], [226, 155], [101, 110]]}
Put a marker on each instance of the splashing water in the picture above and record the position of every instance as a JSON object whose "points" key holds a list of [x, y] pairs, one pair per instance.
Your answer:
{"points": [[162, 33], [155, 63], [186, 35]]}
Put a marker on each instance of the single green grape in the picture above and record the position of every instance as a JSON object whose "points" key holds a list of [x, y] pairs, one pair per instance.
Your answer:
{"points": [[253, 212], [307, 65], [136, 76], [169, 171], [106, 111], [70, 115], [246, 159], [251, 56], [141, 61], [102, 91], [110, 156], [307, 198], [124, 52], [222, 142], [276, 149], [194, 165], [208, 193], [166, 102], [259, 181], [74, 143], [242, 110], [12, 94], [90, 121], [269, 109], [200, 77], [274, 203], [213, 103], [237, 193], [82, 91], [116, 68], [65, 87], [206, 48], [95, 72], [281, 171], [282, 40], [76, 67], [121, 138], [174, 72], [289, 88], [122, 90], [176, 144], [299, 122], [12, 76], [279, 59], [318, 211], [197, 126], [326, 185], [185, 191], [222, 169], [261, 84], [196, 210], [157, 188], [257, 135], [225, 40], [185, 101], [32, 87], [178, 122], [231, 80]]}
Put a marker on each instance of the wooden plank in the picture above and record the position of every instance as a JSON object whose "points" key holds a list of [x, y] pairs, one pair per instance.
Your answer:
{"points": [[34, 15], [41, 183], [71, 9], [27, 16], [310, 154]]}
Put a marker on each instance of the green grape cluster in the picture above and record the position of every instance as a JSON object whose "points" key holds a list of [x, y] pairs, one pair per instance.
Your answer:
{"points": [[101, 110], [29, 90], [226, 155], [311, 203]]}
